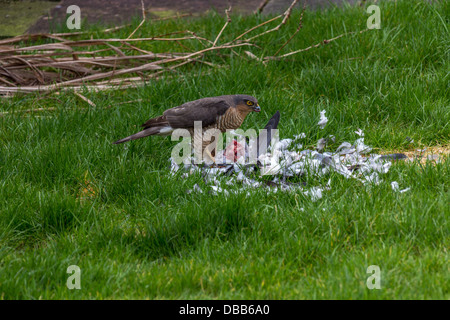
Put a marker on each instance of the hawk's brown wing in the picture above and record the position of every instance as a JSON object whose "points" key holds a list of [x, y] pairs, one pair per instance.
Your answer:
{"points": [[205, 110]]}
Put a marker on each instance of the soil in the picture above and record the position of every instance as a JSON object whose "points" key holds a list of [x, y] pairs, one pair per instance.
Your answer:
{"points": [[112, 13], [39, 16]]}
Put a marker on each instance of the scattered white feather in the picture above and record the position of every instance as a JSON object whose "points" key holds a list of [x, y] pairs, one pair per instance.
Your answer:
{"points": [[286, 160], [300, 136], [314, 193], [323, 120], [361, 147], [395, 187], [197, 188]]}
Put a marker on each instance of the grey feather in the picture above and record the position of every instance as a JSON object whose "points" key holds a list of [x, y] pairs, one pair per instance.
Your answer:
{"points": [[141, 134]]}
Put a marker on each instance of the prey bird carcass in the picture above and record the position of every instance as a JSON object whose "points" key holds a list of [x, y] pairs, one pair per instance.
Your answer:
{"points": [[281, 165]]}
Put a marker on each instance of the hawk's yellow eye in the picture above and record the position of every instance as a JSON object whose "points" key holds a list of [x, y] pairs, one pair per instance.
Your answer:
{"points": [[249, 103]]}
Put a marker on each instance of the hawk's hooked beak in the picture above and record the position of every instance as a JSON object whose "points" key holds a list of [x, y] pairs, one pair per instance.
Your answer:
{"points": [[257, 108]]}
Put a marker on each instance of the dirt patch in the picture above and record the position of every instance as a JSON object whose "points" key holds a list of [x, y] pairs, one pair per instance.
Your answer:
{"points": [[433, 154], [112, 13], [117, 12]]}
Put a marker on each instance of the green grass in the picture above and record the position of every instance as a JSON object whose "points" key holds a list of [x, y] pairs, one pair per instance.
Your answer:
{"points": [[18, 16], [142, 236]]}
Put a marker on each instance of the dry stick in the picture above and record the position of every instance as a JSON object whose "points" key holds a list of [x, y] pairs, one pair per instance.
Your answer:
{"points": [[194, 36], [113, 71], [68, 64], [142, 22], [13, 76], [55, 109], [101, 41], [6, 90], [115, 28], [252, 56], [261, 6], [121, 81], [7, 82], [207, 63], [48, 46], [326, 41], [300, 25], [286, 15], [183, 46], [48, 88], [130, 101], [36, 71], [117, 50], [149, 66], [99, 86], [28, 111], [135, 79], [51, 54], [227, 12], [29, 89], [56, 36], [136, 48], [85, 99], [255, 27], [199, 38], [82, 60], [123, 84], [71, 34], [150, 55], [67, 45]]}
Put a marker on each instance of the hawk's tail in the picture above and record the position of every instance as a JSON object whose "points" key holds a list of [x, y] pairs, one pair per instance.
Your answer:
{"points": [[145, 133]]}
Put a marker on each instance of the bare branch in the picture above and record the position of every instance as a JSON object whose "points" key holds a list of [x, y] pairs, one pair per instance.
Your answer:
{"points": [[142, 22], [300, 25], [227, 12], [326, 41], [85, 99], [256, 27], [286, 15], [261, 6]]}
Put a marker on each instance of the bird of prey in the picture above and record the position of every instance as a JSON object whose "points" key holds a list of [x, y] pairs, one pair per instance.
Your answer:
{"points": [[222, 113]]}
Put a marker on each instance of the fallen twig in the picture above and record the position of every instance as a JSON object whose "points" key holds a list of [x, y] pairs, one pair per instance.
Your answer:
{"points": [[326, 41], [300, 25], [227, 12], [85, 99], [261, 6], [286, 16], [142, 22]]}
